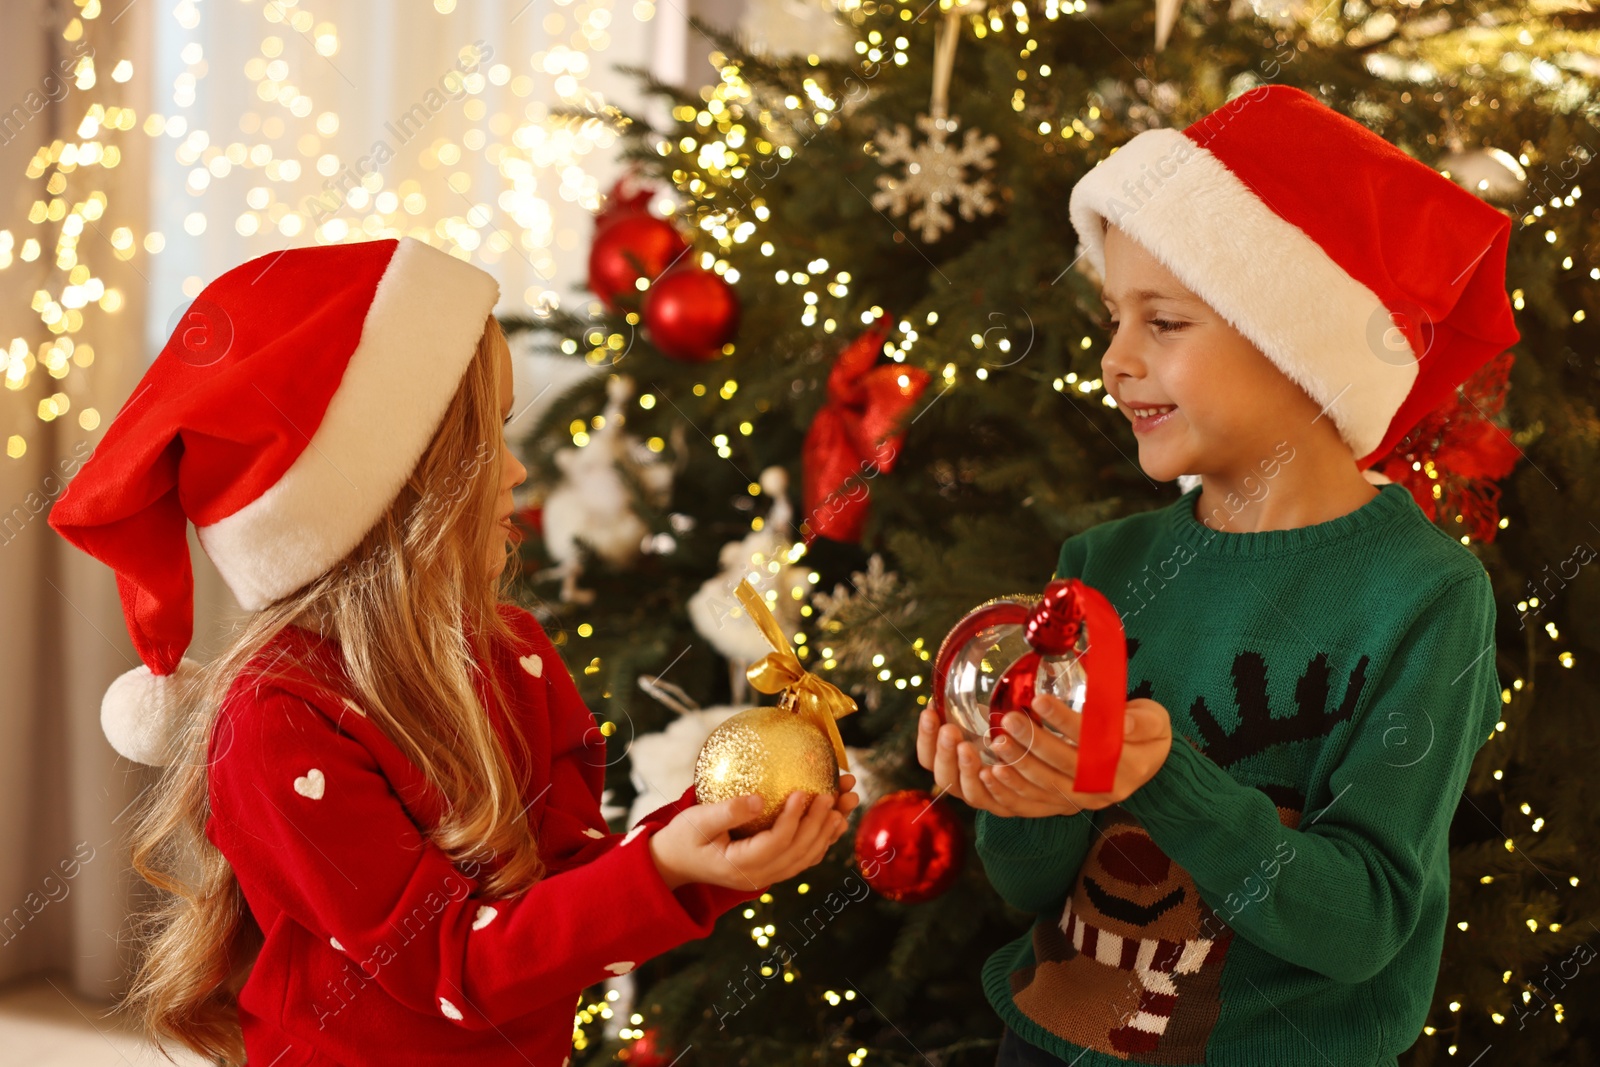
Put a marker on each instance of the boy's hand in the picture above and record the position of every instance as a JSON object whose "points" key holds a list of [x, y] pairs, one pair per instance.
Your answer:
{"points": [[1034, 777], [696, 845]]}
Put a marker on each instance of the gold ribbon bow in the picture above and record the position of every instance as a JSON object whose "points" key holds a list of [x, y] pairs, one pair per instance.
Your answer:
{"points": [[779, 671]]}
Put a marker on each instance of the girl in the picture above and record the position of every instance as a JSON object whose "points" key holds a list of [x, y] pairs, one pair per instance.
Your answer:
{"points": [[380, 827], [1271, 885]]}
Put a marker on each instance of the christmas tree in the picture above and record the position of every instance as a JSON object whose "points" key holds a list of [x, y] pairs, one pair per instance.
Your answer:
{"points": [[857, 361]]}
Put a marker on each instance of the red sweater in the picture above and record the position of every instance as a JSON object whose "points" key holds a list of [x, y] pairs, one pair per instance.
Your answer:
{"points": [[379, 950]]}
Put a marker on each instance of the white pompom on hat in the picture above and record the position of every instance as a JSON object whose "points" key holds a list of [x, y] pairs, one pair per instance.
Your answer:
{"points": [[282, 418]]}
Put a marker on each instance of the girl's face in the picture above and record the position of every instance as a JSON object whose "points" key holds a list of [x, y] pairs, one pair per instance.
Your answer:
{"points": [[512, 472], [1202, 398]]}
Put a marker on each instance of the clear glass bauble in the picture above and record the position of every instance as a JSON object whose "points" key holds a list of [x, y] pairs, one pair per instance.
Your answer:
{"points": [[977, 667]]}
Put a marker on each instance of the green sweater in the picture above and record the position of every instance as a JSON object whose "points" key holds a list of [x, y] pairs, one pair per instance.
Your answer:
{"points": [[1277, 893]]}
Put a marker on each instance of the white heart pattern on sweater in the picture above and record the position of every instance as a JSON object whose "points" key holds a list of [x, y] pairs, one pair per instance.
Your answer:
{"points": [[449, 1009], [533, 664], [484, 917], [635, 832], [334, 941], [592, 832], [620, 968], [310, 784]]}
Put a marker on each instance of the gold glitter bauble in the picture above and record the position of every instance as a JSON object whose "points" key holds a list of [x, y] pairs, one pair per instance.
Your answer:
{"points": [[771, 751]]}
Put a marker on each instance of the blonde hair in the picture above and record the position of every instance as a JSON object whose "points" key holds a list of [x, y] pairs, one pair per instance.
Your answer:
{"points": [[413, 612]]}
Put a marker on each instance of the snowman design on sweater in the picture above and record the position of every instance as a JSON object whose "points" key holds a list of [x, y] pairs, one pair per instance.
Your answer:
{"points": [[1133, 967]]}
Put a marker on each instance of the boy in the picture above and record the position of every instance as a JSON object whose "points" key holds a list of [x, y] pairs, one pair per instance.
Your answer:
{"points": [[1311, 660]]}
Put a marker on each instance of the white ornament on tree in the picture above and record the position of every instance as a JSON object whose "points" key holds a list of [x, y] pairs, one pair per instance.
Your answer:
{"points": [[592, 504], [795, 28], [1492, 173], [766, 557], [936, 172], [661, 764]]}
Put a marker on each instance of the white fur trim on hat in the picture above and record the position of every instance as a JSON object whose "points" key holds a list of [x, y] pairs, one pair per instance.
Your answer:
{"points": [[1260, 272], [419, 335], [138, 715]]}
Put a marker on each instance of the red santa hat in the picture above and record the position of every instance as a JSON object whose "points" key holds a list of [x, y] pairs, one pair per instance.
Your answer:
{"points": [[282, 418], [1372, 281]]}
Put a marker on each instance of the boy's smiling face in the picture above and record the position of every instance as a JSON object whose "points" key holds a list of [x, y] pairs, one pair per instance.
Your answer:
{"points": [[1220, 406]]}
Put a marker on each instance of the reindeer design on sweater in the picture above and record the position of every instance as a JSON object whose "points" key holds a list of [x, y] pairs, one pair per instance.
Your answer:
{"points": [[1133, 968]]}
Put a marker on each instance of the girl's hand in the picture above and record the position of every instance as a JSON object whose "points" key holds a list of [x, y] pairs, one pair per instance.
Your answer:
{"points": [[696, 845], [1034, 777]]}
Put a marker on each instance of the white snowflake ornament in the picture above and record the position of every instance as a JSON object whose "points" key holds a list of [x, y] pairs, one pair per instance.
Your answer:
{"points": [[936, 173]]}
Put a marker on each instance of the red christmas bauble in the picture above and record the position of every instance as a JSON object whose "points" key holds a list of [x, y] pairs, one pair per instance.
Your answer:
{"points": [[646, 1051], [624, 249], [629, 197], [908, 847], [691, 313]]}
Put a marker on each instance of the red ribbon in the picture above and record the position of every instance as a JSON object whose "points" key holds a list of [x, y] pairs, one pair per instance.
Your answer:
{"points": [[1053, 621], [1469, 453], [853, 438]]}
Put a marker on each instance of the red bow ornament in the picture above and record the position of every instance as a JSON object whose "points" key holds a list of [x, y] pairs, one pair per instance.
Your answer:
{"points": [[1451, 460], [854, 437]]}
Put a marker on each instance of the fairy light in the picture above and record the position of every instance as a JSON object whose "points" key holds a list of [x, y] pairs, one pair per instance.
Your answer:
{"points": [[282, 142], [732, 128], [62, 313]]}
